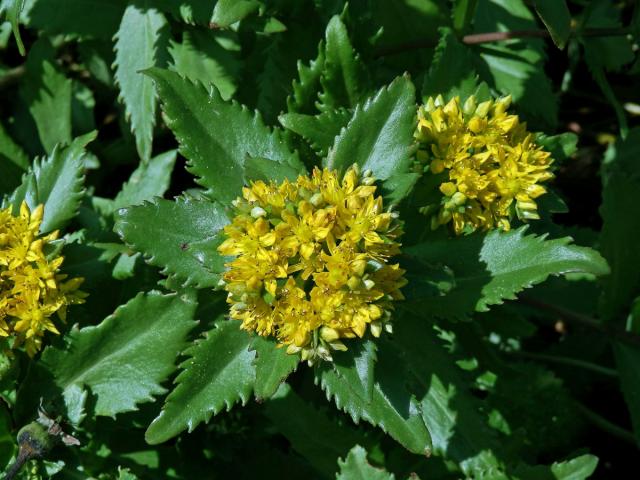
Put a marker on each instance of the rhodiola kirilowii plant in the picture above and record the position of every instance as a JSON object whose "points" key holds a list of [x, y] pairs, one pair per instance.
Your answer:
{"points": [[319, 239]]}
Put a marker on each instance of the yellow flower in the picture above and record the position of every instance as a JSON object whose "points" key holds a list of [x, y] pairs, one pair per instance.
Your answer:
{"points": [[311, 261], [490, 166], [31, 289]]}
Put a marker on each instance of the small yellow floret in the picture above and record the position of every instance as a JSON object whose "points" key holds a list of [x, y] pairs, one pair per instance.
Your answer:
{"points": [[492, 168], [311, 262], [31, 289]]}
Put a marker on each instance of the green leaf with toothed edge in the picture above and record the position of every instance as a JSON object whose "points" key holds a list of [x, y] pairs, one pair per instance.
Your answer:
{"points": [[392, 407], [216, 136], [56, 181], [305, 89], [147, 181], [320, 131], [333, 435], [141, 42], [344, 76], [379, 136], [124, 359], [47, 92], [218, 373], [273, 366], [181, 237], [484, 270], [357, 467]]}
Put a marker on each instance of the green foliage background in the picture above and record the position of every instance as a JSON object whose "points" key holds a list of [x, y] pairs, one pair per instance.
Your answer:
{"points": [[136, 122]]}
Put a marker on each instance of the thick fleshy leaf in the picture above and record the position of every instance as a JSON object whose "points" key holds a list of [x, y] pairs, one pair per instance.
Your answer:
{"points": [[458, 276], [344, 77], [56, 181], [216, 136], [147, 181], [557, 18], [273, 366], [295, 418], [578, 468], [141, 42], [392, 407], [180, 237], [379, 136], [218, 373], [357, 467], [124, 359], [47, 93]]}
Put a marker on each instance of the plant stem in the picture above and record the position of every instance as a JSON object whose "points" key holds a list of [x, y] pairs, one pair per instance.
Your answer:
{"points": [[583, 320], [569, 361], [490, 37], [607, 426], [12, 76], [21, 459]]}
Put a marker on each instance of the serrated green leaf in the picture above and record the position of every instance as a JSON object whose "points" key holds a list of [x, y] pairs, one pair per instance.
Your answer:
{"points": [[459, 431], [180, 237], [320, 131], [95, 18], [391, 408], [356, 467], [560, 146], [56, 181], [124, 359], [141, 41], [189, 11], [621, 227], [201, 58], [344, 77], [296, 418], [307, 86], [485, 270], [556, 17], [628, 362], [273, 366], [216, 136], [227, 12], [218, 373], [147, 181], [451, 72], [47, 93], [379, 136], [515, 67], [578, 468], [268, 170]]}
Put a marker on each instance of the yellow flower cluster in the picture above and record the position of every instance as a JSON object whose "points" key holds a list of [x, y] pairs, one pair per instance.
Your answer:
{"points": [[491, 167], [31, 289], [311, 261]]}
